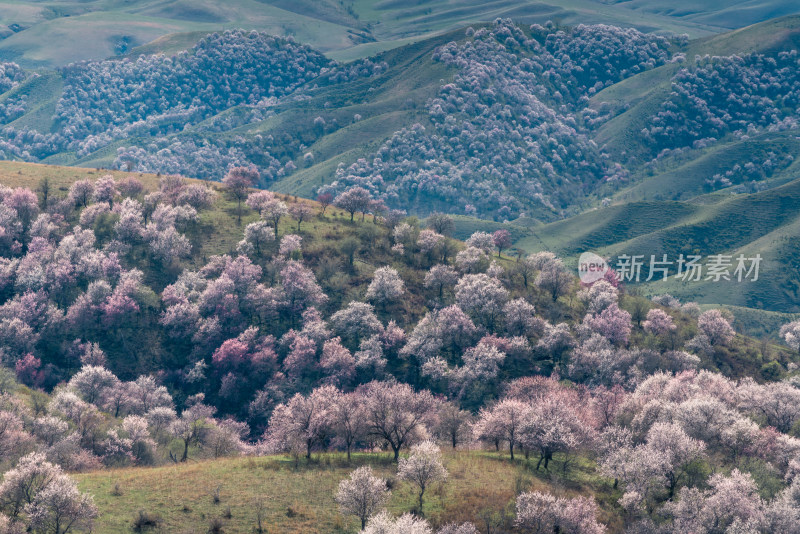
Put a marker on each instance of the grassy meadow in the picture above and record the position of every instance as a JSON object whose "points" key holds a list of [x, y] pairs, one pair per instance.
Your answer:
{"points": [[297, 496]]}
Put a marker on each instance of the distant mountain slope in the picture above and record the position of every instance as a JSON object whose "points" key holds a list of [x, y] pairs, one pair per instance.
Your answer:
{"points": [[50, 34], [764, 223], [503, 121], [562, 154], [499, 122], [731, 14], [55, 35]]}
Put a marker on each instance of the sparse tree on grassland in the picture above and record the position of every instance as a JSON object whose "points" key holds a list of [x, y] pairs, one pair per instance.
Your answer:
{"points": [[422, 468], [362, 495], [353, 200], [238, 181], [300, 212]]}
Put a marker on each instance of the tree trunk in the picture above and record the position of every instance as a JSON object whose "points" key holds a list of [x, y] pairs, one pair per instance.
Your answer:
{"points": [[185, 450]]}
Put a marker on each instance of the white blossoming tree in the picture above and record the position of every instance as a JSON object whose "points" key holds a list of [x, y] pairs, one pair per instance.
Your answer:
{"points": [[423, 467], [362, 495]]}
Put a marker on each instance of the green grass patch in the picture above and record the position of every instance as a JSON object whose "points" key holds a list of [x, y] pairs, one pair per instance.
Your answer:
{"points": [[298, 495]]}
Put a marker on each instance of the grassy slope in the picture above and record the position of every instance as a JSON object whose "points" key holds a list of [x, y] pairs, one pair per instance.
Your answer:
{"points": [[41, 93], [168, 44], [601, 228], [300, 499], [95, 29], [401, 18], [768, 36], [54, 34], [730, 14], [756, 223], [639, 97], [18, 174], [684, 180], [381, 101]]}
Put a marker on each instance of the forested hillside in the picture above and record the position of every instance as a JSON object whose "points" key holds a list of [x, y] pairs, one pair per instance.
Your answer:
{"points": [[501, 122], [153, 320], [506, 137], [317, 274], [506, 123]]}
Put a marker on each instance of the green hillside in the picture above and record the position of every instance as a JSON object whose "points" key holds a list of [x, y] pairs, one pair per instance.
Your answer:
{"points": [[181, 496], [672, 203], [630, 104], [764, 223], [731, 14], [203, 471], [34, 33], [312, 266]]}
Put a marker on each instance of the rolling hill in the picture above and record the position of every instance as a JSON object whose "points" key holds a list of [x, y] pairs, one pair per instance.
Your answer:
{"points": [[106, 329], [385, 278], [52, 34], [107, 332], [682, 204], [418, 125], [763, 223]]}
